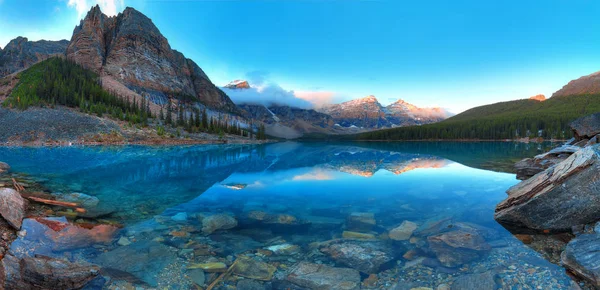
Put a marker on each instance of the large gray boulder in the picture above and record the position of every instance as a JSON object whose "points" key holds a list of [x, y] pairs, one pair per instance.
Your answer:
{"points": [[582, 256], [586, 127], [369, 257], [12, 207], [315, 276], [4, 167], [563, 196], [42, 272]]}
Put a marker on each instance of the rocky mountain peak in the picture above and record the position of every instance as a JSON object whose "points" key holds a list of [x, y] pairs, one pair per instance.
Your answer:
{"points": [[130, 49], [539, 98], [20, 53], [589, 84]]}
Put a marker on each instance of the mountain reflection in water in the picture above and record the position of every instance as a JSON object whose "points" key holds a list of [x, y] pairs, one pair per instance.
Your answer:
{"points": [[397, 215]]}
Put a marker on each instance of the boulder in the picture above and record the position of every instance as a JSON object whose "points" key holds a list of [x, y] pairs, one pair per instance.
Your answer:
{"points": [[82, 199], [316, 276], [369, 257], [458, 247], [144, 260], [529, 167], [42, 272], [556, 199], [582, 256], [403, 232], [4, 167], [360, 221], [480, 281], [216, 222], [586, 127], [12, 207], [253, 269]]}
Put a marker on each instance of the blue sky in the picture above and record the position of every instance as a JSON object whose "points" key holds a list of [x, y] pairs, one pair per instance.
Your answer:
{"points": [[453, 54]]}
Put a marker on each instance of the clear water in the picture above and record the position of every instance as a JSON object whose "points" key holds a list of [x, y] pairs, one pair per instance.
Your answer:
{"points": [[307, 192]]}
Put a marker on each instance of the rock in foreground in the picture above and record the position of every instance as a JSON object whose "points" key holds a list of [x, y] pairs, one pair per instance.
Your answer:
{"points": [[557, 199], [586, 127], [42, 272], [12, 207], [582, 256], [315, 276]]}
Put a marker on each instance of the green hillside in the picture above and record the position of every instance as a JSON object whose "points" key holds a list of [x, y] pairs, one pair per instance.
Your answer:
{"points": [[56, 81], [505, 120]]}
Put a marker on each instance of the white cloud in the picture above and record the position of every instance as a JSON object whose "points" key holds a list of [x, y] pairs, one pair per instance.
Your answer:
{"points": [[270, 94], [108, 7]]}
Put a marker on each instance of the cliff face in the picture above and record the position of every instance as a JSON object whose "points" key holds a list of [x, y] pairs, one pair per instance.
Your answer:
{"points": [[130, 48], [20, 53], [301, 121]]}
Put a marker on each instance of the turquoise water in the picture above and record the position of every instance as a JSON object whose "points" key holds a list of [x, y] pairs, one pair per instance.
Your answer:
{"points": [[181, 207]]}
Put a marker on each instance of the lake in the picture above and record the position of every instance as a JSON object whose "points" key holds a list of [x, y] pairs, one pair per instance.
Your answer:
{"points": [[287, 215]]}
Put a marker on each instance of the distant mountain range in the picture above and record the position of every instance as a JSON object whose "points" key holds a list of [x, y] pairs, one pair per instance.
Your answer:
{"points": [[358, 115]]}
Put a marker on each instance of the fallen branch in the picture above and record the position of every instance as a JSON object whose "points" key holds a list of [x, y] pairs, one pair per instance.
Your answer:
{"points": [[214, 283], [58, 203], [17, 186]]}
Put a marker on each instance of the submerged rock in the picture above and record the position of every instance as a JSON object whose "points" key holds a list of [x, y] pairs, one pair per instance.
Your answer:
{"points": [[12, 207], [82, 199], [315, 276], [42, 272], [582, 256], [216, 222], [369, 257], [479, 281], [4, 167], [253, 269], [458, 247], [213, 267], [284, 249], [361, 221], [403, 232], [145, 260], [357, 235], [557, 199]]}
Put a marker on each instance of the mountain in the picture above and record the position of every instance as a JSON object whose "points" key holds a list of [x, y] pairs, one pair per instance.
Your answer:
{"points": [[238, 84], [129, 48], [368, 113], [20, 53], [505, 120], [589, 84]]}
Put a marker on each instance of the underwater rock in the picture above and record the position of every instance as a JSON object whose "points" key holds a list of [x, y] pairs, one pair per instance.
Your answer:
{"points": [[124, 241], [458, 247], [197, 276], [42, 272], [369, 257], [180, 217], [284, 249], [557, 199], [479, 281], [582, 256], [360, 221], [84, 200], [253, 269], [315, 276], [216, 222], [12, 207], [4, 167], [357, 235], [212, 267], [403, 232], [249, 284], [144, 259]]}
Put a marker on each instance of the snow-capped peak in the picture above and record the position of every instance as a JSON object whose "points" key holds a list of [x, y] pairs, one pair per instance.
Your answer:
{"points": [[238, 84]]}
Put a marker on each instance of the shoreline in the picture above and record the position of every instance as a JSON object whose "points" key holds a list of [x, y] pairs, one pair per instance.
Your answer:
{"points": [[166, 142]]}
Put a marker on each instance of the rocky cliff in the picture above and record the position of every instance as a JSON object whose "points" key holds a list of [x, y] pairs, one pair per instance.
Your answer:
{"points": [[130, 49], [20, 53], [368, 113]]}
